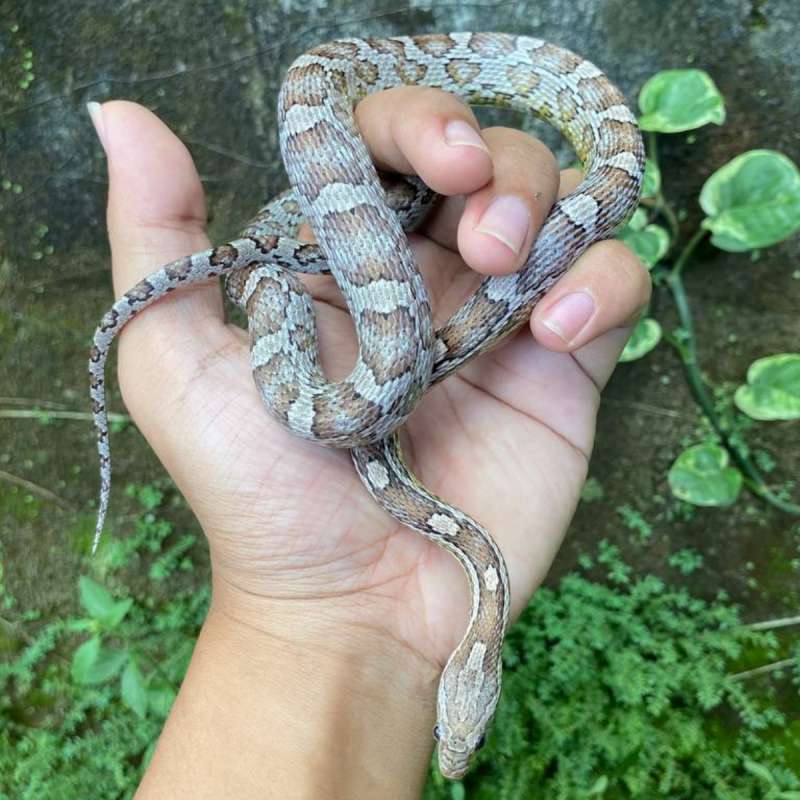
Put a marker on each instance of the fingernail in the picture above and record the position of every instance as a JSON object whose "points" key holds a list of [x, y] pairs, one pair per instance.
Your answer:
{"points": [[96, 114], [457, 132], [508, 220], [570, 315]]}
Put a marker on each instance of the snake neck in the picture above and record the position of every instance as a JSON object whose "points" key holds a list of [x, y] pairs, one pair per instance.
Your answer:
{"points": [[470, 683]]}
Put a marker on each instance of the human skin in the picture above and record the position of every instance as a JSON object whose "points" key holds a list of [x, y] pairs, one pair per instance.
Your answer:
{"points": [[315, 672]]}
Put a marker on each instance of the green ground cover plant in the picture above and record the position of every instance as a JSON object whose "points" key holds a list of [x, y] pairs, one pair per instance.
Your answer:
{"points": [[616, 684]]}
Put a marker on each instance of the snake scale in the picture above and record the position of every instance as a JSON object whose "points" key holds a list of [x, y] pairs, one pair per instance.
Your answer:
{"points": [[360, 220]]}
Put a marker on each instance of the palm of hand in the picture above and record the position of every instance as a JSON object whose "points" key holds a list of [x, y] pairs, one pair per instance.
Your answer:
{"points": [[506, 439]]}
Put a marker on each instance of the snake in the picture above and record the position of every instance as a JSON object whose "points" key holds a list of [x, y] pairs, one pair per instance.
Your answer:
{"points": [[361, 219]]}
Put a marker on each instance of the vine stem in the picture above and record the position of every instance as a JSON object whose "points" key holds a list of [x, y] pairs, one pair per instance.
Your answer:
{"points": [[686, 254], [658, 203], [652, 147], [686, 346], [662, 207]]}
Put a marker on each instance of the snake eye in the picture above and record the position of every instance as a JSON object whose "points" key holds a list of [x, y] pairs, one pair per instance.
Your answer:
{"points": [[437, 732], [481, 743]]}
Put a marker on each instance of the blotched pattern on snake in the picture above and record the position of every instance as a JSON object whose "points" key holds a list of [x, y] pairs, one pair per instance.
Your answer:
{"points": [[360, 229]]}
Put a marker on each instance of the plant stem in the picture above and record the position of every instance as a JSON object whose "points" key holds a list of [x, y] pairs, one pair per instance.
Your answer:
{"points": [[665, 209], [652, 147], [686, 347], [686, 254], [48, 415], [659, 203], [786, 662], [770, 624], [34, 488]]}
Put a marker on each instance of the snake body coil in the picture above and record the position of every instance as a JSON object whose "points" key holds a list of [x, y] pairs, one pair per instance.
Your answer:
{"points": [[361, 240]]}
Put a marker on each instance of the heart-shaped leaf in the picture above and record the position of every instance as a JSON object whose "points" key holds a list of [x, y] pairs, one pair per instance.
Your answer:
{"points": [[645, 336], [701, 476], [677, 100], [773, 388], [753, 201], [650, 243], [651, 182], [638, 220]]}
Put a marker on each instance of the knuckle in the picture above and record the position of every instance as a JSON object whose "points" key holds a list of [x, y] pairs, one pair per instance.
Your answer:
{"points": [[616, 260], [514, 146], [430, 99]]}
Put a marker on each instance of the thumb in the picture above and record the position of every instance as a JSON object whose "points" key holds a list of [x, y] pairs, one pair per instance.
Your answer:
{"points": [[156, 210], [156, 214]]}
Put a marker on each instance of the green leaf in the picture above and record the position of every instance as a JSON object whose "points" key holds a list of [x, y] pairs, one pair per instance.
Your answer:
{"points": [[93, 663], [753, 201], [118, 612], [83, 659], [650, 243], [598, 787], [638, 220], [680, 100], [651, 183], [760, 771], [773, 388], [701, 476], [134, 691], [160, 698], [646, 335], [457, 791], [97, 600]]}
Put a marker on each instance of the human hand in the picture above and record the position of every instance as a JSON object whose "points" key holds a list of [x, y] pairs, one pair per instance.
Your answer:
{"points": [[300, 553]]}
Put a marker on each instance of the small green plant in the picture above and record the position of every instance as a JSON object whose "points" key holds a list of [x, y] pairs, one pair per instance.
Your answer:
{"points": [[750, 203], [627, 688], [635, 522], [686, 561], [83, 698]]}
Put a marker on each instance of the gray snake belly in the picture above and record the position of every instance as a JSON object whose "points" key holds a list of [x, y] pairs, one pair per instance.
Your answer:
{"points": [[360, 228]]}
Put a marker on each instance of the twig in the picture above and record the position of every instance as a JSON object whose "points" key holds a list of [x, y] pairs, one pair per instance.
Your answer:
{"points": [[646, 407], [769, 624], [79, 415], [787, 662], [31, 401], [35, 488]]}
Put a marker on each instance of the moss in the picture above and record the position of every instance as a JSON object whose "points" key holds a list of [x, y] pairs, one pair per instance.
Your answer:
{"points": [[18, 504]]}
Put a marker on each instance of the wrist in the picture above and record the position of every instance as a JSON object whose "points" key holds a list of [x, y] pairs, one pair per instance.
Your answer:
{"points": [[288, 702]]}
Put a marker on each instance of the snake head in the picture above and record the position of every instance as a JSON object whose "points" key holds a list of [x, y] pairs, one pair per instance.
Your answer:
{"points": [[454, 752], [468, 694]]}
